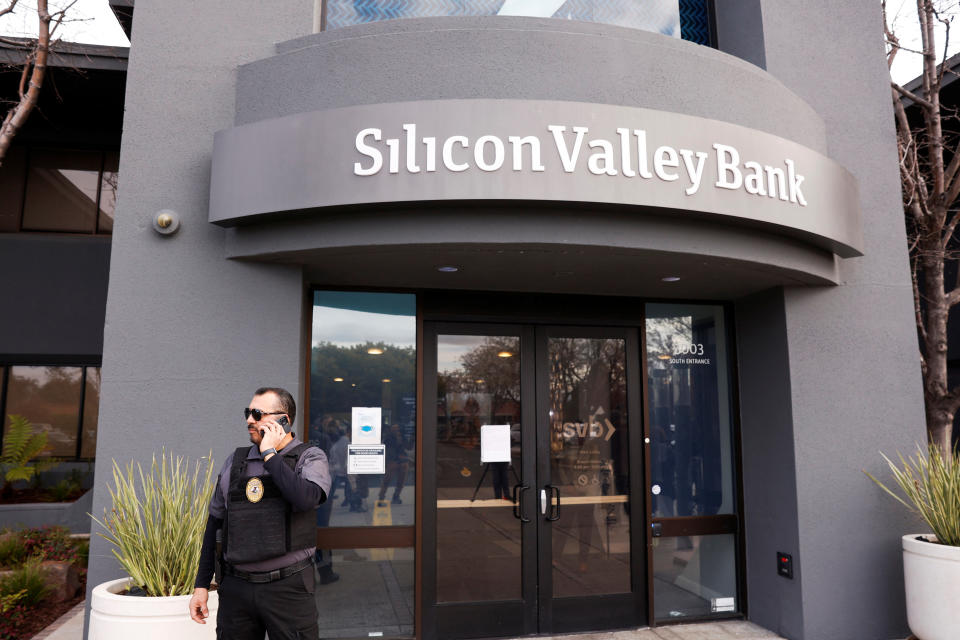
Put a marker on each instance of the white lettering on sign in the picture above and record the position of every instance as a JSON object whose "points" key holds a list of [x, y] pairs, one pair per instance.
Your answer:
{"points": [[625, 155]]}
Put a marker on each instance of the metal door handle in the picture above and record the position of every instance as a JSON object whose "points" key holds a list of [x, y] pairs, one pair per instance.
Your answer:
{"points": [[554, 508], [518, 490], [543, 502]]}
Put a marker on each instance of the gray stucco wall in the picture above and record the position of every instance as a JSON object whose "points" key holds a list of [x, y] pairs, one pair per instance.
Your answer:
{"points": [[769, 481], [189, 335], [852, 350], [55, 291]]}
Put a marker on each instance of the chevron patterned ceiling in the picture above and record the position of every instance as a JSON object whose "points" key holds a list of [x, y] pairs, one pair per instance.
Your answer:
{"points": [[678, 18]]}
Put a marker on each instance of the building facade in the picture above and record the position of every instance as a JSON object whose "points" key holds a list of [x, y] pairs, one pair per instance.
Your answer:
{"points": [[598, 309]]}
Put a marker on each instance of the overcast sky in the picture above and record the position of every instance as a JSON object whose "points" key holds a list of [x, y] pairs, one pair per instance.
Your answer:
{"points": [[902, 15], [90, 21]]}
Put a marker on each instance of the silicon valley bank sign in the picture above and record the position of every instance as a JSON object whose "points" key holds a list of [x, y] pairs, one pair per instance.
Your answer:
{"points": [[626, 156], [651, 162]]}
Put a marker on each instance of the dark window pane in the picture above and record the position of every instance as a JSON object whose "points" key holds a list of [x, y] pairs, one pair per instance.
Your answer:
{"points": [[694, 576], [91, 411], [363, 355], [478, 538], [373, 597], [62, 191], [691, 452], [108, 193], [49, 397], [12, 175]]}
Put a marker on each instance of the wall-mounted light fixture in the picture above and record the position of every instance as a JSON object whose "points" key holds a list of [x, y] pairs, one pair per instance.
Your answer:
{"points": [[166, 222]]}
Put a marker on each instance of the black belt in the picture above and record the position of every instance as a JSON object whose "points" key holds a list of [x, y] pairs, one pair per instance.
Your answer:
{"points": [[259, 577]]}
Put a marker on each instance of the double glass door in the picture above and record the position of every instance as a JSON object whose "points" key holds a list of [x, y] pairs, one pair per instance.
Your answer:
{"points": [[533, 507]]}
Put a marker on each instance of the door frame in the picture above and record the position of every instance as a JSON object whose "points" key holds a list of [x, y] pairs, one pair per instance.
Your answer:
{"points": [[536, 612], [619, 610]]}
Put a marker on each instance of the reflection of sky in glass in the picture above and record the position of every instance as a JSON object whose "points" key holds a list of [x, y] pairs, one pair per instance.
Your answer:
{"points": [[452, 349], [345, 327], [42, 375], [660, 16]]}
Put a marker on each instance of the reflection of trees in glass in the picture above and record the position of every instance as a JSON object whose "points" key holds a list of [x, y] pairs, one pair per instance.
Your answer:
{"points": [[482, 372], [49, 397], [586, 375], [363, 380], [665, 336]]}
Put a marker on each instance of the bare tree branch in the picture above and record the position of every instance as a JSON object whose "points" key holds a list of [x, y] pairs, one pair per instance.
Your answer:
{"points": [[29, 89], [9, 9]]}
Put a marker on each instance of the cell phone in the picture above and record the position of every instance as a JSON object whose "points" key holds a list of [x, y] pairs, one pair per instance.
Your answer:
{"points": [[282, 421]]}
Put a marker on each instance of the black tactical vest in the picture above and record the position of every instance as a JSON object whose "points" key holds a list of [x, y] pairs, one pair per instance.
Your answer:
{"points": [[256, 531]]}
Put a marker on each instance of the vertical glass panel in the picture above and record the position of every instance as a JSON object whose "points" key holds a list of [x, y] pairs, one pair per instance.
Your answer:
{"points": [[363, 356], [478, 537], [694, 576], [91, 412], [49, 397], [62, 191], [658, 16], [108, 193], [589, 466], [373, 597], [691, 452]]}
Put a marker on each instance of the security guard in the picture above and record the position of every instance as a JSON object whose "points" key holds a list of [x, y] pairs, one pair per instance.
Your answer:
{"points": [[265, 503]]}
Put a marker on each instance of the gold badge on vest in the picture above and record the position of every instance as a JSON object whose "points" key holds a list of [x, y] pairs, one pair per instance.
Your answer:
{"points": [[254, 490]]}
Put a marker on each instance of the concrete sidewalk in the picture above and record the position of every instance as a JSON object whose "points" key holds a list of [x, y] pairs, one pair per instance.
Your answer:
{"points": [[70, 627], [727, 630]]}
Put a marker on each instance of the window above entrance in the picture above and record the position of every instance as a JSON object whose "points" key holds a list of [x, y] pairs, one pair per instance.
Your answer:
{"points": [[686, 19]]}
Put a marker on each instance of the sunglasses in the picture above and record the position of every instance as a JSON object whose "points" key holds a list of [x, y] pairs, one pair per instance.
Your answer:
{"points": [[258, 414]]}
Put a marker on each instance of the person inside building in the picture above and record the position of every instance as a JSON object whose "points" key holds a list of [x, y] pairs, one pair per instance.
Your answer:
{"points": [[265, 503]]}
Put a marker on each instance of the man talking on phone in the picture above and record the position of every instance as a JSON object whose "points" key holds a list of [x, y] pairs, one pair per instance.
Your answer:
{"points": [[265, 504]]}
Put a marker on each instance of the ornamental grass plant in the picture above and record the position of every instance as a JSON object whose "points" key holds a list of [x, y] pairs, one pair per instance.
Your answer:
{"points": [[930, 487], [156, 525]]}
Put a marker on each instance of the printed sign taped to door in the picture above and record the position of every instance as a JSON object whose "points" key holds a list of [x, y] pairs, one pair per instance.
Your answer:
{"points": [[495, 443], [365, 459]]}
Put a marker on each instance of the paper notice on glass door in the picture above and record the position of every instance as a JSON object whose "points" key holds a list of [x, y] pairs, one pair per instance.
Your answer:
{"points": [[365, 425], [495, 443]]}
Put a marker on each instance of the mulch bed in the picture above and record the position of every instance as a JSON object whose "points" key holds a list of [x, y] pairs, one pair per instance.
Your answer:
{"points": [[24, 496], [46, 614]]}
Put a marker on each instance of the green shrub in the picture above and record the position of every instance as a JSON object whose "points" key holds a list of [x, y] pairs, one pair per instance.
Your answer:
{"points": [[30, 579], [49, 543], [20, 446], [8, 601], [931, 488], [65, 490], [12, 551], [82, 545], [157, 537]]}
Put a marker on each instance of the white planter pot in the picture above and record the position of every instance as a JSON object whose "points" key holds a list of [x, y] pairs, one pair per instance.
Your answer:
{"points": [[116, 617], [931, 574]]}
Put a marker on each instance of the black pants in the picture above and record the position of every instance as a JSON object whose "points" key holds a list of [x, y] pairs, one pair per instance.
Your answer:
{"points": [[285, 608]]}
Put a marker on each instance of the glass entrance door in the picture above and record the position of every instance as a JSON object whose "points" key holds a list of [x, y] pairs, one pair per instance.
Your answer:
{"points": [[533, 480]]}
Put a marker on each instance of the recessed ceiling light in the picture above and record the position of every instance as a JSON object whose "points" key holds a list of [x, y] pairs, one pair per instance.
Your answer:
{"points": [[338, 379], [375, 351], [670, 278], [448, 268], [385, 380], [505, 354]]}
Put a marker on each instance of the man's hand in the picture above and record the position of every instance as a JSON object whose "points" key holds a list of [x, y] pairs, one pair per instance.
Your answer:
{"points": [[198, 606], [273, 435]]}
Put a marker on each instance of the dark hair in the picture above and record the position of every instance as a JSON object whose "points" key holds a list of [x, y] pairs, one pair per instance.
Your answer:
{"points": [[287, 405]]}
